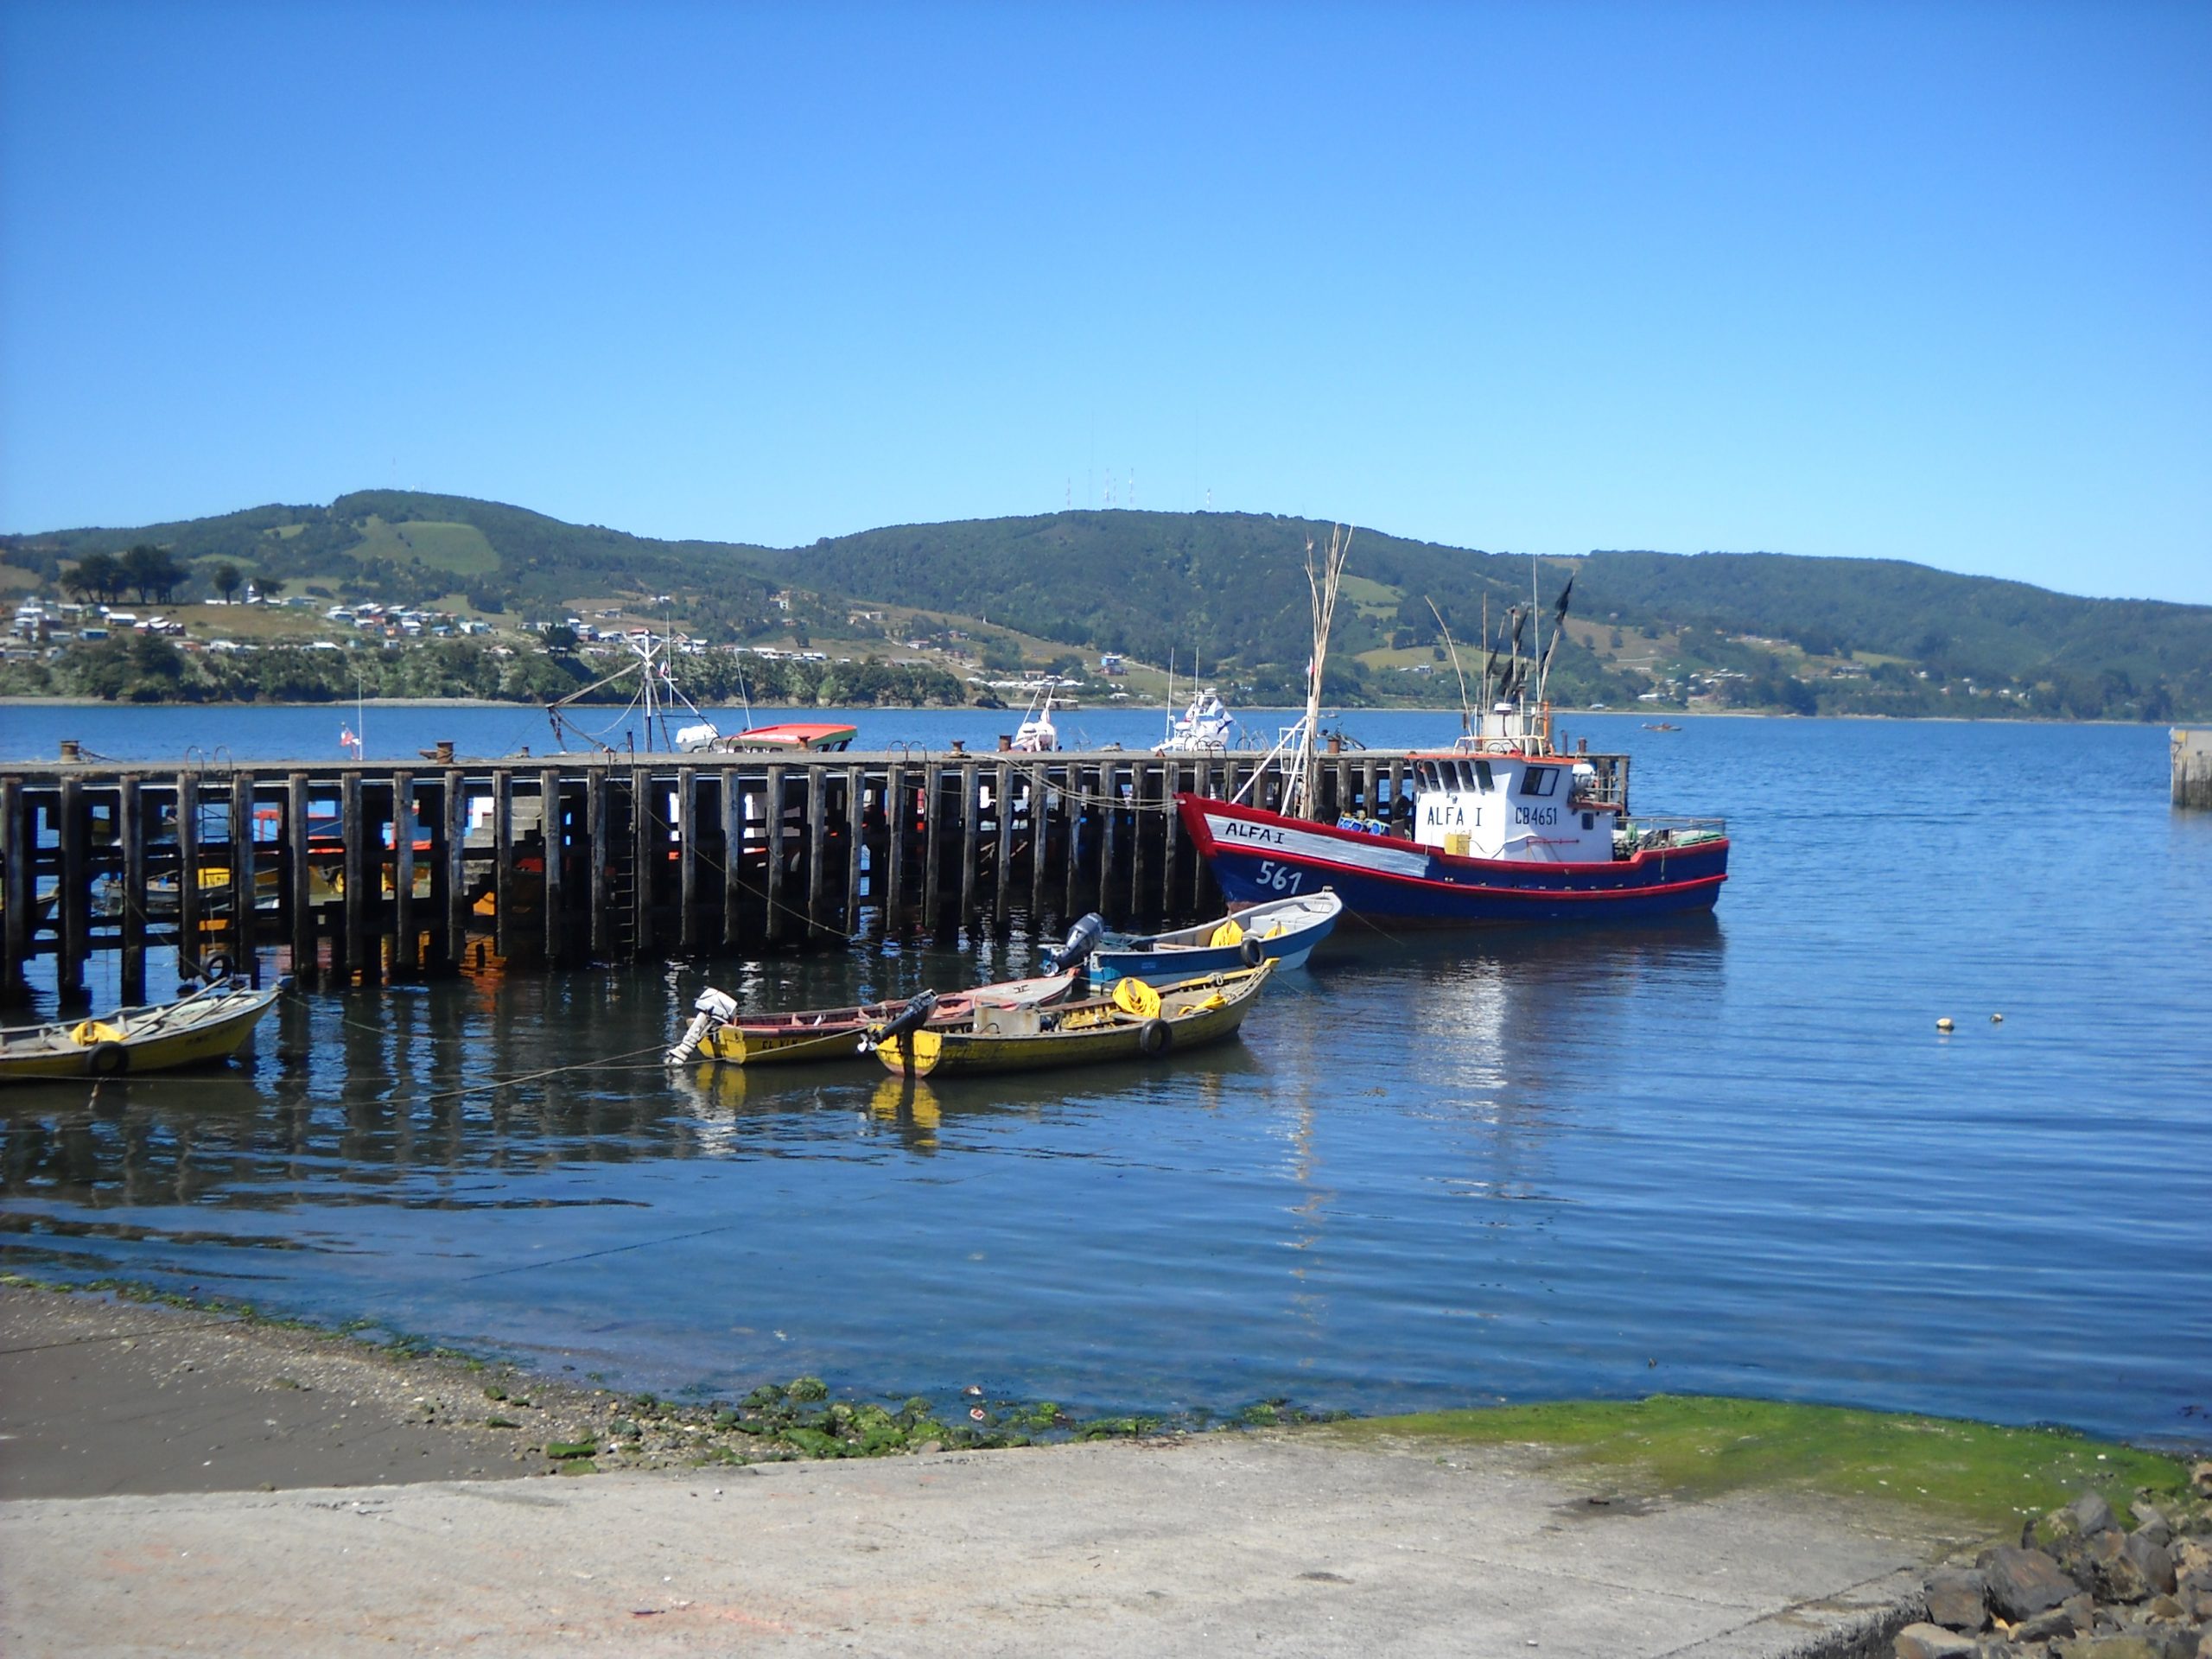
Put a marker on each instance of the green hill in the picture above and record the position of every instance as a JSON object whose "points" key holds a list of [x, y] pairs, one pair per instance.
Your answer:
{"points": [[1754, 630]]}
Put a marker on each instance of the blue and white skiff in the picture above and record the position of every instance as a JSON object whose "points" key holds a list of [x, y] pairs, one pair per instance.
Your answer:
{"points": [[1283, 929]]}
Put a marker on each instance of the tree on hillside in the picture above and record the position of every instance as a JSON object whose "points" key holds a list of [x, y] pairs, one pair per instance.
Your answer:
{"points": [[152, 573], [268, 587], [227, 579], [97, 576]]}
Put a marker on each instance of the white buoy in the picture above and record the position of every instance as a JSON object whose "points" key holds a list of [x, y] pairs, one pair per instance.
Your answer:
{"points": [[1944, 1024]]}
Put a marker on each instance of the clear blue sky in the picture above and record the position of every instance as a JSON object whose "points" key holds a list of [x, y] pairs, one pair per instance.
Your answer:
{"points": [[1928, 281]]}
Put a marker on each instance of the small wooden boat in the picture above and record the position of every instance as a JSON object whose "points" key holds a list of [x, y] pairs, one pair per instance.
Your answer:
{"points": [[717, 1032], [210, 1024], [1136, 1022], [1282, 930]]}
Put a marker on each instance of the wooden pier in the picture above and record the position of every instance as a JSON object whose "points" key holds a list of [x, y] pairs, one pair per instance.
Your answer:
{"points": [[2192, 756], [351, 872]]}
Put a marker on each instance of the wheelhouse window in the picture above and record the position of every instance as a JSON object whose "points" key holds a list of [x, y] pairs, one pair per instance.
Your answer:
{"points": [[1482, 777], [1540, 780]]}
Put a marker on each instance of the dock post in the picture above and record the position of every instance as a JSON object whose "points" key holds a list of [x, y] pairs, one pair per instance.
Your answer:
{"points": [[1003, 880], [895, 820], [733, 803], [1040, 824], [187, 871], [687, 852], [406, 941], [503, 861], [299, 881], [2192, 767], [1397, 790], [855, 833], [1171, 837], [969, 833], [1140, 828], [131, 826], [600, 936], [554, 828], [817, 830], [20, 848], [456, 868], [776, 854], [72, 904], [359, 873], [245, 882], [932, 843], [647, 854]]}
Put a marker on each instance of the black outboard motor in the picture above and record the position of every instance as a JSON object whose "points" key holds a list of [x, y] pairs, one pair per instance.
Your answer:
{"points": [[1083, 938], [913, 1017]]}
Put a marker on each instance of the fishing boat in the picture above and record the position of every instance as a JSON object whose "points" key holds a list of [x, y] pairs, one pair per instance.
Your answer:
{"points": [[1283, 930], [1205, 727], [718, 1032], [1136, 1022], [812, 737], [1037, 734], [209, 1025], [1505, 828]]}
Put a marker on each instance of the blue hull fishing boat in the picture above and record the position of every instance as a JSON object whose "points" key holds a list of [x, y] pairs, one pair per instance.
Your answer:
{"points": [[1504, 827], [1284, 930]]}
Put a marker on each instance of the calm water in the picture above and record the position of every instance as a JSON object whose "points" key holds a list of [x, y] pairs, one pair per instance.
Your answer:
{"points": [[1735, 1156]]}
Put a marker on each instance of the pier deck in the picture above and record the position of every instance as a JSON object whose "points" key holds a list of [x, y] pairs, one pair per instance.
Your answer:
{"points": [[351, 872]]}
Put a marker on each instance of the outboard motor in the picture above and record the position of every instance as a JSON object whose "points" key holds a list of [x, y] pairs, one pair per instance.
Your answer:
{"points": [[1083, 938], [714, 1009], [913, 1017]]}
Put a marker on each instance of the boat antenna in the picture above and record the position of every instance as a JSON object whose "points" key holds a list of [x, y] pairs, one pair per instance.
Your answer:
{"points": [[1466, 715]]}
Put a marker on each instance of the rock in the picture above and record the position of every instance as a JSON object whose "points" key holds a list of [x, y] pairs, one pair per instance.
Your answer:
{"points": [[2070, 1618], [2150, 1518], [2104, 1647], [1932, 1641], [2115, 1573], [2092, 1515], [2200, 1478], [2154, 1561], [1956, 1602], [2024, 1582], [2163, 1608]]}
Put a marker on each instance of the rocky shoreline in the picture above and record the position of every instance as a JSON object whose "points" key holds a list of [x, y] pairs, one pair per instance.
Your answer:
{"points": [[2082, 1584]]}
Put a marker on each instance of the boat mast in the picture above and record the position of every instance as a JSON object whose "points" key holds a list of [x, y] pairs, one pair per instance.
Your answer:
{"points": [[1322, 582]]}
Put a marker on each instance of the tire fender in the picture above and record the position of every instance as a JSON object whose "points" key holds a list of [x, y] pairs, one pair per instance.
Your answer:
{"points": [[1154, 1039], [107, 1060], [1252, 953]]}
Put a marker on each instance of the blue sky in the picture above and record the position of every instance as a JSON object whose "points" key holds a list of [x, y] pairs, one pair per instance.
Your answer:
{"points": [[1925, 281]]}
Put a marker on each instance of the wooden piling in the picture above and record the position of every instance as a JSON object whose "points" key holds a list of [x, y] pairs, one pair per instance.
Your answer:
{"points": [[20, 848], [896, 818], [72, 903], [932, 843], [647, 844], [599, 934], [687, 852], [733, 805], [1002, 881], [1040, 837], [969, 832], [299, 881], [2192, 767], [188, 941], [504, 895], [130, 917], [246, 881], [406, 942], [1077, 810], [556, 915], [455, 867], [775, 929], [360, 875], [856, 835]]}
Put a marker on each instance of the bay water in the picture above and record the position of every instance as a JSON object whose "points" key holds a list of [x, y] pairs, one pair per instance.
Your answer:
{"points": [[1734, 1155]]}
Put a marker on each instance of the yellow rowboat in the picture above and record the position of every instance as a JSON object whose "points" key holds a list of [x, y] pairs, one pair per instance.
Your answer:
{"points": [[720, 1033], [1136, 1022], [210, 1024]]}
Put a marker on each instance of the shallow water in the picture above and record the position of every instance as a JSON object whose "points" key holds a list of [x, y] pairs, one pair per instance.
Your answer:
{"points": [[1733, 1156]]}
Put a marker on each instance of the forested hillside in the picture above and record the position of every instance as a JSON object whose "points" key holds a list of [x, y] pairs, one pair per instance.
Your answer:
{"points": [[1752, 630]]}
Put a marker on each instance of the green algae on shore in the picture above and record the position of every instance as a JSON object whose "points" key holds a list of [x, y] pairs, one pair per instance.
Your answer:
{"points": [[1982, 1476]]}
